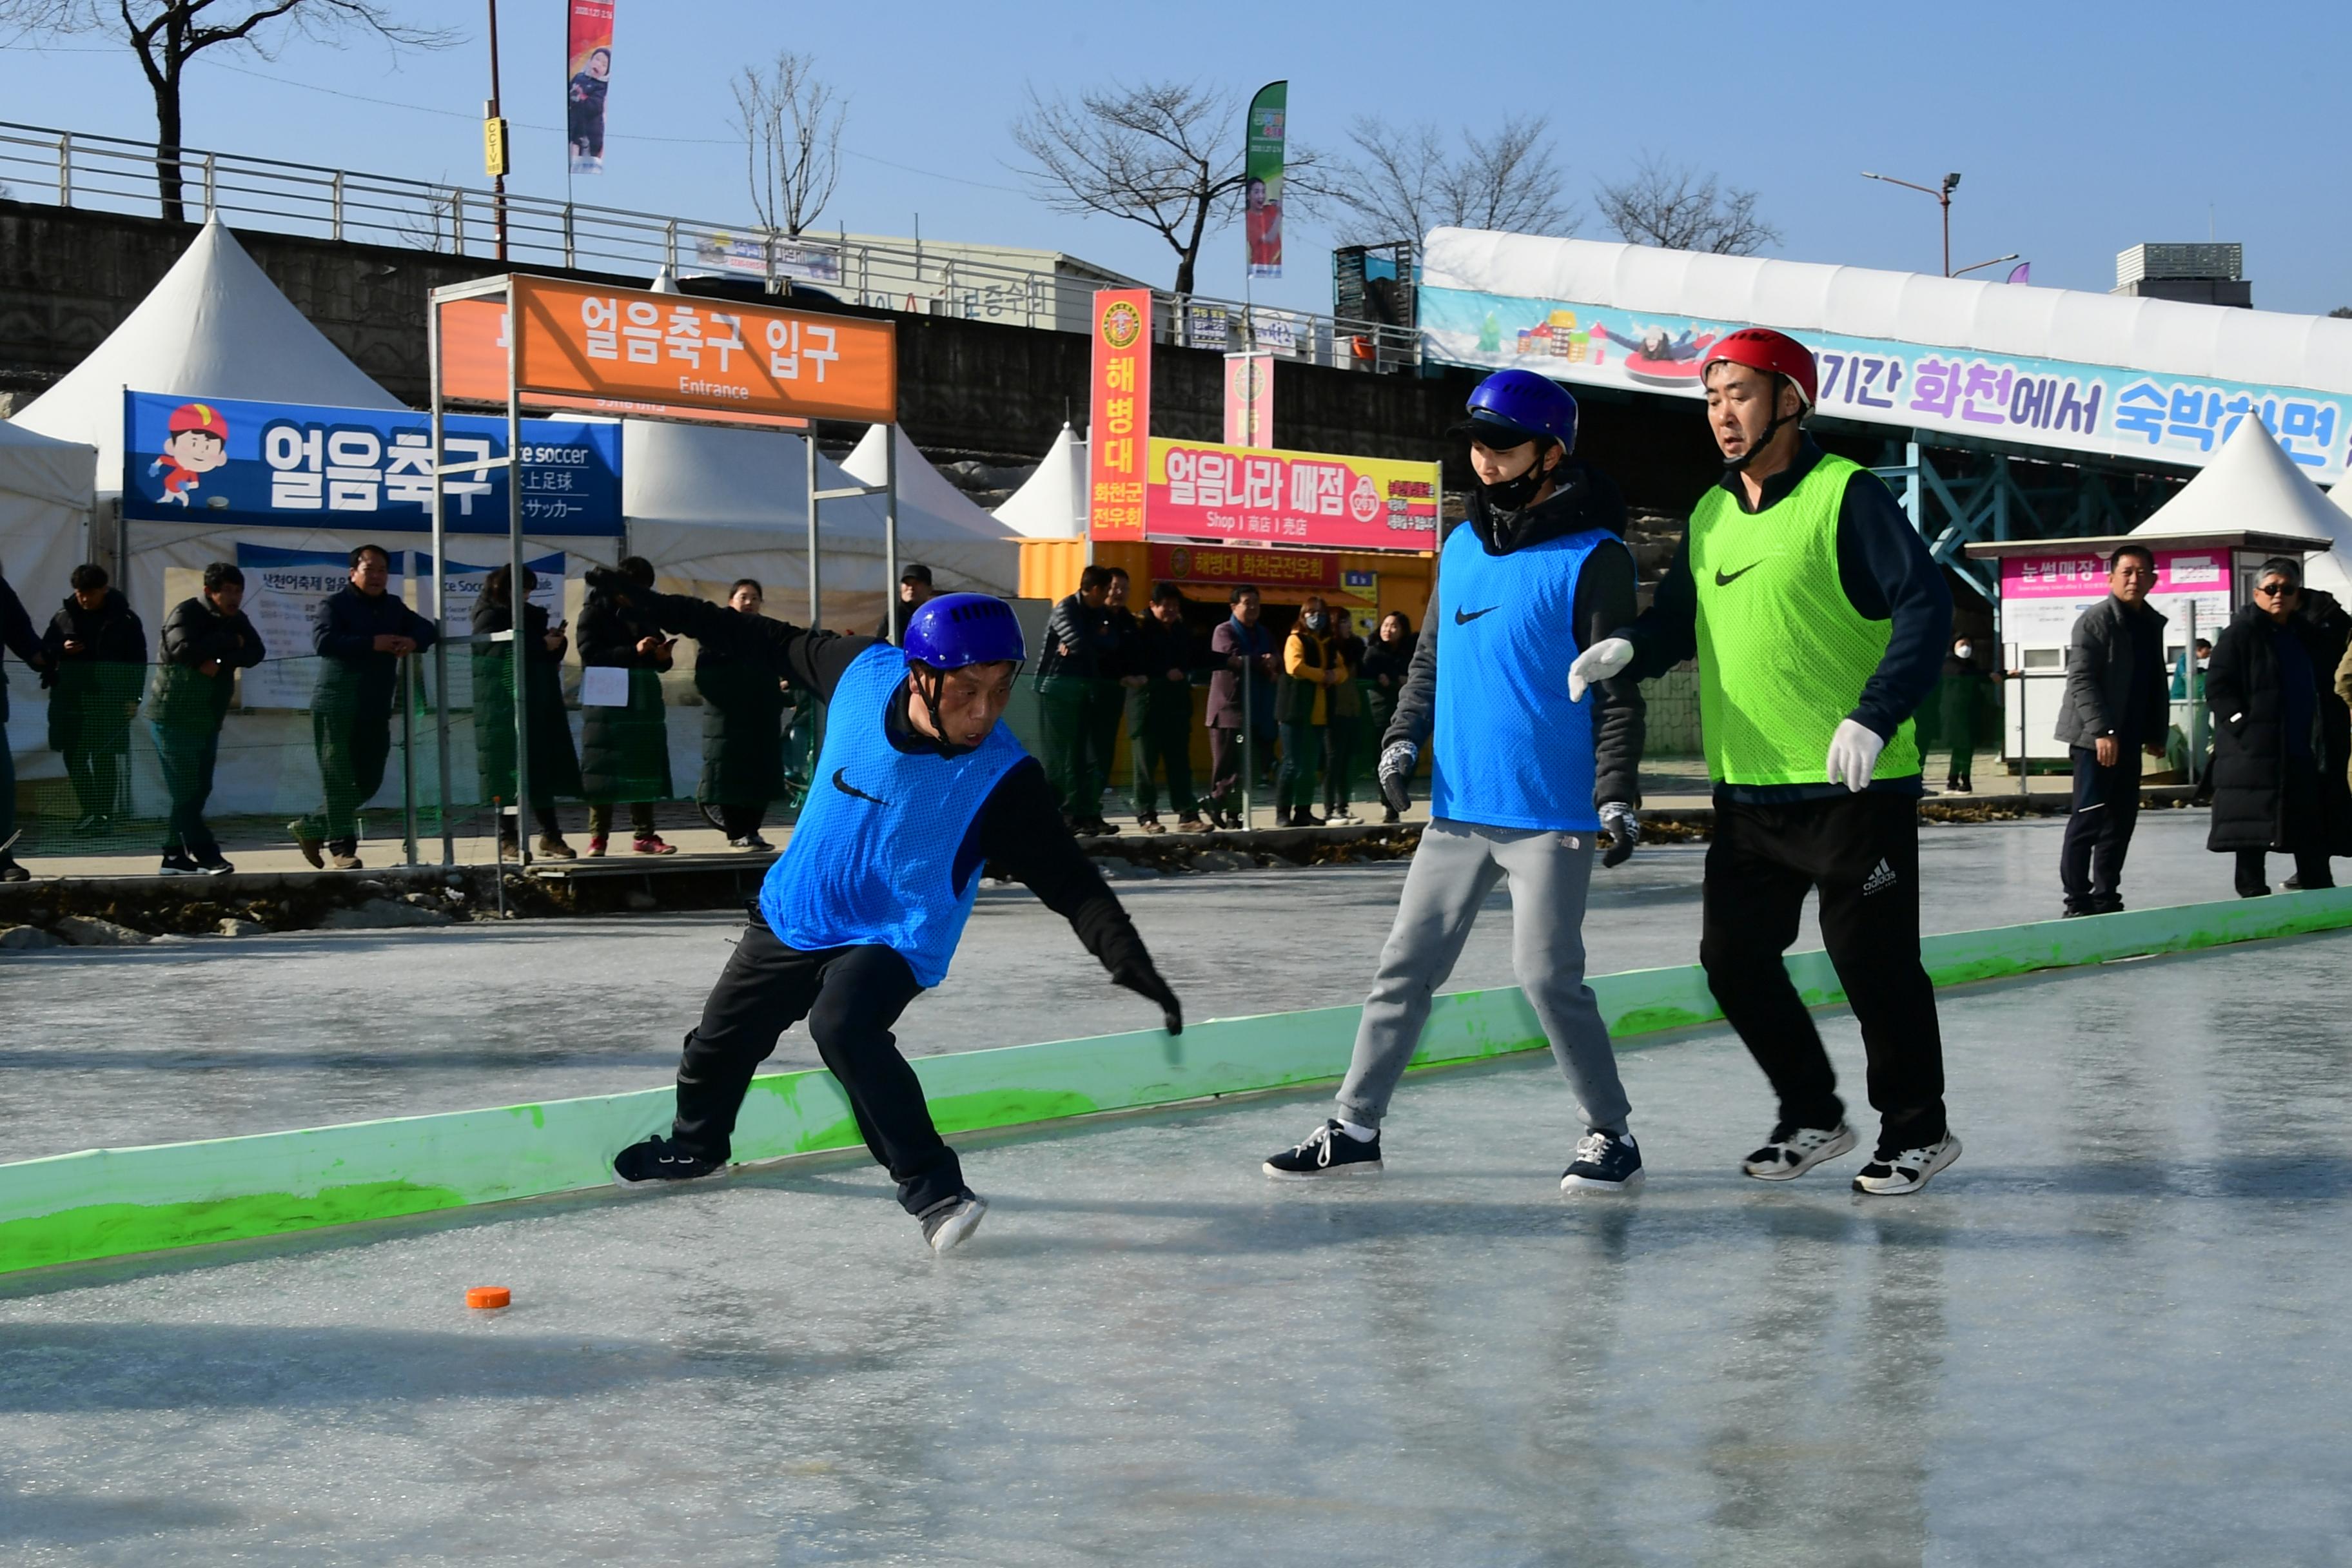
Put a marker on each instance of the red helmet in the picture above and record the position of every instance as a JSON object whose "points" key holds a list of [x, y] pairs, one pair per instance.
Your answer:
{"points": [[201, 417], [1775, 354]]}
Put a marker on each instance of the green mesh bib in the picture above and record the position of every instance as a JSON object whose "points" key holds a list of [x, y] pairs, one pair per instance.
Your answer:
{"points": [[1782, 653]]}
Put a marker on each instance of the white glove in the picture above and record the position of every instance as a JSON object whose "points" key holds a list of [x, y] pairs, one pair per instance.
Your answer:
{"points": [[1396, 773], [1605, 660], [1853, 753]]}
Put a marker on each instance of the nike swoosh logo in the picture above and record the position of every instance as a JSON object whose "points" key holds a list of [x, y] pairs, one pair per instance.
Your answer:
{"points": [[1464, 618], [1723, 582], [846, 787]]}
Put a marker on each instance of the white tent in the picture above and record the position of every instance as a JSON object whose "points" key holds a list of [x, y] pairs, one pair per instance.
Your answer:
{"points": [[1052, 502], [929, 505], [708, 504], [46, 494], [215, 326], [2251, 484]]}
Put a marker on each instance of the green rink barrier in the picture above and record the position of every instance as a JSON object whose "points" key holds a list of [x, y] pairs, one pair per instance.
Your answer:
{"points": [[108, 1202]]}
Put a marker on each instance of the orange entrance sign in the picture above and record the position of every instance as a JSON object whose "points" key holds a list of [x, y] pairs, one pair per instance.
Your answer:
{"points": [[474, 370], [680, 353]]}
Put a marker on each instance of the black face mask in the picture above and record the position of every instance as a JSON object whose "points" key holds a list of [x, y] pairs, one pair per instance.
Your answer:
{"points": [[1512, 495]]}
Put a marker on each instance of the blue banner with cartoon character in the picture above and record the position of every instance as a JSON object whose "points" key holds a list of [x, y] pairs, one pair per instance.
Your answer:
{"points": [[2003, 398], [290, 465]]}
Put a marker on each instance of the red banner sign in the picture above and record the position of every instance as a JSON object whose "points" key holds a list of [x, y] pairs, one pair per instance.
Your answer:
{"points": [[1118, 414], [1312, 500], [1269, 568]]}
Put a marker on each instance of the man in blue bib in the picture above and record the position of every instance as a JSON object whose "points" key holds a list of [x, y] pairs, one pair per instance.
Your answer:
{"points": [[919, 786], [1526, 776]]}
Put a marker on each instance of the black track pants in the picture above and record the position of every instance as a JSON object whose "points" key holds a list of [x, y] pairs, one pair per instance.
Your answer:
{"points": [[1862, 851], [851, 997]]}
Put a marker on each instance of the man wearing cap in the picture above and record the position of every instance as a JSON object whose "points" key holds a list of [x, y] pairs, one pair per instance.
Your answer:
{"points": [[915, 590], [1526, 776], [919, 787], [1819, 622]]}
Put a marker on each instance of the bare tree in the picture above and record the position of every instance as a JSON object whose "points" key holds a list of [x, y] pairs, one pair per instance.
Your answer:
{"points": [[1167, 155], [791, 123], [1670, 205], [1403, 180]]}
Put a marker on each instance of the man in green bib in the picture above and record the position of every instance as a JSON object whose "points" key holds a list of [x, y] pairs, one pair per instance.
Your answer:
{"points": [[1819, 622]]}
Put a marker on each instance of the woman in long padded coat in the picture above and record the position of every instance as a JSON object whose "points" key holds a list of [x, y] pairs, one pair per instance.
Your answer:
{"points": [[624, 749], [743, 713], [2281, 735], [554, 766]]}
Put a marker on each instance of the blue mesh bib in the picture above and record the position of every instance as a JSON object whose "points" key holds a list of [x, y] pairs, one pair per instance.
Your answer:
{"points": [[872, 860], [1510, 748]]}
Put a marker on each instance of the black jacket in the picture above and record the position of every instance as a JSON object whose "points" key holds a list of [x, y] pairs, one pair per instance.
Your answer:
{"points": [[1386, 664], [1156, 650], [624, 752], [554, 765], [17, 633], [94, 690], [2110, 690], [195, 634], [354, 680], [1087, 632], [743, 712], [2243, 689], [1605, 602], [1019, 829], [1887, 574]]}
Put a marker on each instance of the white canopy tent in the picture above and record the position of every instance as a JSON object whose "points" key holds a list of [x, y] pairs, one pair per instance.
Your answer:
{"points": [[1052, 502], [45, 495], [929, 501], [708, 504], [2251, 484], [215, 326]]}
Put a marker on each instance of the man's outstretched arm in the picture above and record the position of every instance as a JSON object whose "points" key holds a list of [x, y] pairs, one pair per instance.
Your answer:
{"points": [[817, 661], [1020, 829]]}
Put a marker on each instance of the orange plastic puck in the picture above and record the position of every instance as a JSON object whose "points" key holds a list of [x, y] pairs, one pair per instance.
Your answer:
{"points": [[488, 1295]]}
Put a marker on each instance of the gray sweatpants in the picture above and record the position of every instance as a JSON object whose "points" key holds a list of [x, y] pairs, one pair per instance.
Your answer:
{"points": [[1456, 867]]}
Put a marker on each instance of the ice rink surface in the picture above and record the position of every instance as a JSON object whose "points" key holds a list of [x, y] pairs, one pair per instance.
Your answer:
{"points": [[2113, 1334], [206, 1038]]}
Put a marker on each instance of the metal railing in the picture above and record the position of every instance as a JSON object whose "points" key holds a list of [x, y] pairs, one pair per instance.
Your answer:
{"points": [[111, 174]]}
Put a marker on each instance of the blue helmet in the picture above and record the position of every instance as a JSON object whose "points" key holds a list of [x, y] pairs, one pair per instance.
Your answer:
{"points": [[1511, 407], [957, 630]]}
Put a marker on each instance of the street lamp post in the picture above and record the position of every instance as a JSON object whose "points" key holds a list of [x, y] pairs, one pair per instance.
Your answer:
{"points": [[1943, 197], [1980, 266], [498, 176]]}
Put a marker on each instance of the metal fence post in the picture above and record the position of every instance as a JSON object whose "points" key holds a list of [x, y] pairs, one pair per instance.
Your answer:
{"points": [[408, 751], [65, 168], [569, 244], [669, 245], [338, 222], [212, 183], [458, 222]]}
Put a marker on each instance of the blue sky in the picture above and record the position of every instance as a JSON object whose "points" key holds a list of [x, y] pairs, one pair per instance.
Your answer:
{"points": [[2081, 129]]}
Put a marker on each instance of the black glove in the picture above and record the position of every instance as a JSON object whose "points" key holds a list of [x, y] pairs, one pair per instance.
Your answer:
{"points": [[1624, 826], [1138, 976], [1396, 774]]}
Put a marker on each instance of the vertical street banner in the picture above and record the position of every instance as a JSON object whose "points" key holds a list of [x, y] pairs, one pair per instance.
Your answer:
{"points": [[588, 63], [1249, 399], [1262, 179], [1118, 414]]}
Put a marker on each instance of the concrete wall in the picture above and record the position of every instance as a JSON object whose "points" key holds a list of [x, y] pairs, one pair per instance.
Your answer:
{"points": [[67, 277]]}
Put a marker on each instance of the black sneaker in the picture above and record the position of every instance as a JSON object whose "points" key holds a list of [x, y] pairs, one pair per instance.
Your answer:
{"points": [[1794, 1150], [180, 863], [1608, 1160], [213, 865], [950, 1221], [751, 841], [1892, 1172], [659, 1159], [1326, 1152], [12, 872]]}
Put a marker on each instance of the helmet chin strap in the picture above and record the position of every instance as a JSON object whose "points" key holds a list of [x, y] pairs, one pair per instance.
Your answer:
{"points": [[1739, 464], [1515, 493], [930, 698]]}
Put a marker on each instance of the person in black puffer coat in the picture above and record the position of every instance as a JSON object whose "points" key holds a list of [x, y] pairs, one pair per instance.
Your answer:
{"points": [[2280, 736], [1388, 659], [624, 750], [743, 712], [554, 766], [96, 657], [207, 640]]}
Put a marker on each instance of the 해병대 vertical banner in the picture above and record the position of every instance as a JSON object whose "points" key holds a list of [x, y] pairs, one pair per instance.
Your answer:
{"points": [[588, 63], [1262, 179]]}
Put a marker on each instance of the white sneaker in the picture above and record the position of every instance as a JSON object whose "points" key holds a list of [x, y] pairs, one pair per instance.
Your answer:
{"points": [[947, 1224], [1793, 1150], [1891, 1172]]}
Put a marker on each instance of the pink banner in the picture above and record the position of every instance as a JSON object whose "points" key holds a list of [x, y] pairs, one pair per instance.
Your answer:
{"points": [[1202, 489], [2082, 574]]}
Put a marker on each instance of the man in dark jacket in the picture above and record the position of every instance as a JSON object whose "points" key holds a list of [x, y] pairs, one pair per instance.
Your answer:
{"points": [[361, 633], [1818, 621], [207, 640], [915, 590], [624, 747], [2280, 734], [1167, 658], [1240, 719], [923, 788], [15, 635], [1526, 775], [2117, 706], [97, 654], [1073, 672], [743, 712]]}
